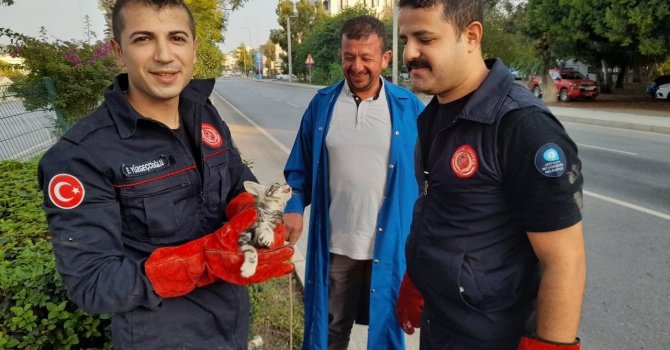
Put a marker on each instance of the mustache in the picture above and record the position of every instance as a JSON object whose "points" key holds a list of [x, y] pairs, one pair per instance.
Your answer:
{"points": [[417, 64]]}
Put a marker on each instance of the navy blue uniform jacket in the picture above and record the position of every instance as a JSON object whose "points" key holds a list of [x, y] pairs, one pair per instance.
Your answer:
{"points": [[117, 186]]}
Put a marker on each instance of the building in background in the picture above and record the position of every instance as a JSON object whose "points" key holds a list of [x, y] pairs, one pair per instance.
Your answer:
{"points": [[334, 7]]}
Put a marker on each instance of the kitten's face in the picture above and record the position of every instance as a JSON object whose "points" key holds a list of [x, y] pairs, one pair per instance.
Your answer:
{"points": [[276, 194]]}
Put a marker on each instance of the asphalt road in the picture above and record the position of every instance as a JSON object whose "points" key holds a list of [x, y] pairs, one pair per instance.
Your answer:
{"points": [[626, 209]]}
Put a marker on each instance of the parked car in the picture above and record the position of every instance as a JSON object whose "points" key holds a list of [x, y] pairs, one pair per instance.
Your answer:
{"points": [[656, 83], [285, 77], [663, 92], [569, 83]]}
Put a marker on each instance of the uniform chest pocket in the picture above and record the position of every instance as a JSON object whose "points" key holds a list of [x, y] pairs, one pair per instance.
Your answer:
{"points": [[153, 211], [219, 182]]}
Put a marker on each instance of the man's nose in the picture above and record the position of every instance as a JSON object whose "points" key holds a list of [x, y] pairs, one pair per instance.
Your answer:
{"points": [[163, 51], [410, 52], [357, 66]]}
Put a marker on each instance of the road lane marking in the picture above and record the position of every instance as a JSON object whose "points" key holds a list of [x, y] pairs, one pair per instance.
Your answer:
{"points": [[607, 149], [260, 129], [588, 193], [277, 100], [628, 205], [291, 104]]}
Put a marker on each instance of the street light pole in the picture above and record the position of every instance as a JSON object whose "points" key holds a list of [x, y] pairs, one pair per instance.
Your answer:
{"points": [[394, 71], [290, 58]]}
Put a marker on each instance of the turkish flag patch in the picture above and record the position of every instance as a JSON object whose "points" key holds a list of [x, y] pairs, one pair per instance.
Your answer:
{"points": [[210, 136], [464, 162], [66, 191]]}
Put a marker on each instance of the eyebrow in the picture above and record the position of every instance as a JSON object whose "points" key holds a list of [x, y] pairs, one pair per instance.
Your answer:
{"points": [[146, 32]]}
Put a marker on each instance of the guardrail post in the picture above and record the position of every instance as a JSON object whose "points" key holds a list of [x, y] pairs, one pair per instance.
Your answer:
{"points": [[62, 124]]}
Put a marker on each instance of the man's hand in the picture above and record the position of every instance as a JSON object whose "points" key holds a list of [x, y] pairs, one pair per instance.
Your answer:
{"points": [[293, 223], [175, 271], [409, 306]]}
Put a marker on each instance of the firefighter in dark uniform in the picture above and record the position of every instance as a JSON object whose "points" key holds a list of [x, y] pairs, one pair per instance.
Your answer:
{"points": [[495, 256], [137, 194]]}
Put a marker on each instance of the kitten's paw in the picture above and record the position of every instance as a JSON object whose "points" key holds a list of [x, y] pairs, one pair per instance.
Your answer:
{"points": [[266, 238], [248, 269]]}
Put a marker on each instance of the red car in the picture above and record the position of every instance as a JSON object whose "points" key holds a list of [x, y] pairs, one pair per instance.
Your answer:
{"points": [[570, 84]]}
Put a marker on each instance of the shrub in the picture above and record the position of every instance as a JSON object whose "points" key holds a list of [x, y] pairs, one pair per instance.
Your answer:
{"points": [[34, 310], [80, 72]]}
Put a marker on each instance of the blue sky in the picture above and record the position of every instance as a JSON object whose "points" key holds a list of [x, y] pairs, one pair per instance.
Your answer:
{"points": [[63, 20]]}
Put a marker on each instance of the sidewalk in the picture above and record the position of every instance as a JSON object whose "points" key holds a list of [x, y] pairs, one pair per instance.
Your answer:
{"points": [[636, 120]]}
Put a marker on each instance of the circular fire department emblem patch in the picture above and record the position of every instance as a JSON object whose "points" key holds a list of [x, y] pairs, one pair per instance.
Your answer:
{"points": [[211, 136], [464, 162], [66, 191]]}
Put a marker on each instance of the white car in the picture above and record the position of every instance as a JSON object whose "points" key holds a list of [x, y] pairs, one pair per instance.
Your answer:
{"points": [[663, 92], [285, 77]]}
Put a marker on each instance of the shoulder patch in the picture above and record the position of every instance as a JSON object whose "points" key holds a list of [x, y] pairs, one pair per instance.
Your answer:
{"points": [[66, 191], [210, 136], [550, 160], [464, 162]]}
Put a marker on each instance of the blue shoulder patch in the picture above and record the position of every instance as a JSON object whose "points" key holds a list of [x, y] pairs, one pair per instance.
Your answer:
{"points": [[550, 160]]}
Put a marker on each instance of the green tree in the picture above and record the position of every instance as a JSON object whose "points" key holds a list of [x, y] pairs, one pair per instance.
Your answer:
{"points": [[208, 26], [244, 58], [504, 38], [6, 2], [606, 33], [304, 16], [80, 72], [269, 51]]}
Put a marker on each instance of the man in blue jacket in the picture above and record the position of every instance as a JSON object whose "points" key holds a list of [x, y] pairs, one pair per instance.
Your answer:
{"points": [[496, 247], [352, 161]]}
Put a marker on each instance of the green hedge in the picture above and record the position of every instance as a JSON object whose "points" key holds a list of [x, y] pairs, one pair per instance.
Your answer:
{"points": [[34, 310]]}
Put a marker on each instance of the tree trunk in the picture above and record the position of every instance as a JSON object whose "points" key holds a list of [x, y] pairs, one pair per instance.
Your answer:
{"points": [[622, 77], [606, 84]]}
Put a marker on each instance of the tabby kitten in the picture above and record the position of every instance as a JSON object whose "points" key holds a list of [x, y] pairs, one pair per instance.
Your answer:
{"points": [[270, 203]]}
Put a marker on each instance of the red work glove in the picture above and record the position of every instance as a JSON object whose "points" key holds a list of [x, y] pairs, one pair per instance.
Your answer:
{"points": [[175, 271], [528, 343], [244, 200], [409, 306]]}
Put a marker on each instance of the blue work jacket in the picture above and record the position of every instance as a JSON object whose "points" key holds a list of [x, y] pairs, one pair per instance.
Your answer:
{"points": [[307, 172]]}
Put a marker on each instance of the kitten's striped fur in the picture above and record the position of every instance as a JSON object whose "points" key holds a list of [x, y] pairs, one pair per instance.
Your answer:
{"points": [[270, 203]]}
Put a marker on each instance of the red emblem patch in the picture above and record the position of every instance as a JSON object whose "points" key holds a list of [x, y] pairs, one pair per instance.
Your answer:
{"points": [[66, 191], [211, 136], [464, 162]]}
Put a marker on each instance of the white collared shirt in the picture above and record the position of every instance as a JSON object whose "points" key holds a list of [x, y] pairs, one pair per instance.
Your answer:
{"points": [[358, 143]]}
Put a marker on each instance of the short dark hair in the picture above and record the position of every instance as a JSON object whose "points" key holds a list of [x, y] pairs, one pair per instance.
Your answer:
{"points": [[360, 27], [118, 22], [460, 13]]}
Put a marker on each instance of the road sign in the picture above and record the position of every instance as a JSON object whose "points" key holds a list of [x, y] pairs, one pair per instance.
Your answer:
{"points": [[309, 61]]}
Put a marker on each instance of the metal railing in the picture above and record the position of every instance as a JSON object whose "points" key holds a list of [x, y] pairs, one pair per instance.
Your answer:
{"points": [[26, 132]]}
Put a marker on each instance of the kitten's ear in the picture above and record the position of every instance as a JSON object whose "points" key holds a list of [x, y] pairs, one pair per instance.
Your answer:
{"points": [[253, 187]]}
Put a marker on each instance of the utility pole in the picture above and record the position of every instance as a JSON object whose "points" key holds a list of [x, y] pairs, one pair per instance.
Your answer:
{"points": [[394, 72], [290, 59]]}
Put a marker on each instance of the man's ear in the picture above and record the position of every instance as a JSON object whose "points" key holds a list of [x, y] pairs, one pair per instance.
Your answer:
{"points": [[118, 52], [386, 58], [195, 50], [473, 34]]}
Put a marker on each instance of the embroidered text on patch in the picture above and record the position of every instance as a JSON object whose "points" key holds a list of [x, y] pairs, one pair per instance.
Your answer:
{"points": [[550, 160], [150, 166]]}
